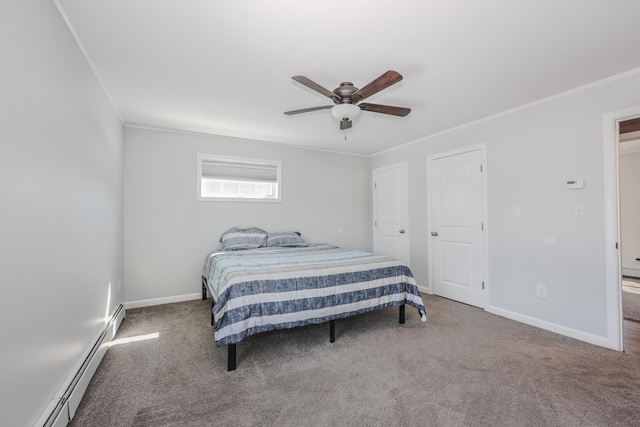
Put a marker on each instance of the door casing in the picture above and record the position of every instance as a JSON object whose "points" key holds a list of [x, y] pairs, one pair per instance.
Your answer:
{"points": [[613, 269]]}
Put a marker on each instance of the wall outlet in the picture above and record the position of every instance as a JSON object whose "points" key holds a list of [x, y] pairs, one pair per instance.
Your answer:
{"points": [[516, 211], [541, 291]]}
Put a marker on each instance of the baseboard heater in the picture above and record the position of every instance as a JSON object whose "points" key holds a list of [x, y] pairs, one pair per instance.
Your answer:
{"points": [[63, 407]]}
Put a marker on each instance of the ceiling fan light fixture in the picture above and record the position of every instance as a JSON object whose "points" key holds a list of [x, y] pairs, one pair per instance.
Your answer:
{"points": [[345, 111]]}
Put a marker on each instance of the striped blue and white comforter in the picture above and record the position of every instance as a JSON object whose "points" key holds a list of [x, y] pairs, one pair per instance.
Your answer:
{"points": [[263, 289]]}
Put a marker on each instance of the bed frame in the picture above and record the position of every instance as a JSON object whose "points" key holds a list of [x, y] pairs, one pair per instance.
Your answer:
{"points": [[231, 348]]}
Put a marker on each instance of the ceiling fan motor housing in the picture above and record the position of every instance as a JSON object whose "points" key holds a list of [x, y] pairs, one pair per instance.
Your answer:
{"points": [[345, 91]]}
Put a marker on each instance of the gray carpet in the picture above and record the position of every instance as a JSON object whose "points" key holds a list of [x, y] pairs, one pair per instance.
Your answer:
{"points": [[464, 367], [631, 299]]}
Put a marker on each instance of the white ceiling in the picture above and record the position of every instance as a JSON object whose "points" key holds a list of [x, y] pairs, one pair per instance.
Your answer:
{"points": [[225, 67]]}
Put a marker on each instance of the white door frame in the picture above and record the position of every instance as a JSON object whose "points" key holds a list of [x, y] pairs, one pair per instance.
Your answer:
{"points": [[613, 267], [405, 166], [485, 232]]}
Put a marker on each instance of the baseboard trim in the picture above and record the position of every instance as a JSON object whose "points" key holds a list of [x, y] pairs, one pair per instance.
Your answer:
{"points": [[559, 329], [160, 301], [631, 272], [424, 289], [62, 407]]}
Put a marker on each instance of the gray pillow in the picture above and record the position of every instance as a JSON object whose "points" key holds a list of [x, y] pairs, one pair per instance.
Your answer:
{"points": [[243, 238], [287, 239]]}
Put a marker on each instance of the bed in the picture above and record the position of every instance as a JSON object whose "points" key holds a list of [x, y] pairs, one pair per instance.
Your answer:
{"points": [[266, 287]]}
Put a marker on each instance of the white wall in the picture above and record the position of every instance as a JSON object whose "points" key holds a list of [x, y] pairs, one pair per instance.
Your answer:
{"points": [[168, 233], [629, 167], [531, 153], [61, 227]]}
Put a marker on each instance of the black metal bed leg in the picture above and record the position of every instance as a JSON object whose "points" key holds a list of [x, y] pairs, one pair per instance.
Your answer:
{"points": [[212, 304], [402, 314], [332, 331], [204, 289], [231, 357]]}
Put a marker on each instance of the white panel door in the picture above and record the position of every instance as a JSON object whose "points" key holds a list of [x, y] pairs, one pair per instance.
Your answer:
{"points": [[390, 200], [456, 227]]}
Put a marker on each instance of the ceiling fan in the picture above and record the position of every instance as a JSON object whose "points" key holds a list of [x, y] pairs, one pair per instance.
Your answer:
{"points": [[347, 98]]}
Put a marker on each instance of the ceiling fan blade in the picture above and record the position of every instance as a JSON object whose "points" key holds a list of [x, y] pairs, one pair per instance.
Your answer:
{"points": [[385, 109], [382, 82], [306, 110], [345, 124], [315, 86]]}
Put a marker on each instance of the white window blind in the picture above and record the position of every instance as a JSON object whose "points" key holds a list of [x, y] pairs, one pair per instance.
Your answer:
{"points": [[231, 178], [239, 171]]}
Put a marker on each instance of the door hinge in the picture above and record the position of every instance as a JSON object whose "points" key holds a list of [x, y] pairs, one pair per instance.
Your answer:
{"points": [[480, 168], [482, 226], [375, 185], [482, 285], [375, 223], [616, 245]]}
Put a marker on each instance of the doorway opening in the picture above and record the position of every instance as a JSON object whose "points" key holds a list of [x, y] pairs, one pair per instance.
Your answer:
{"points": [[611, 154], [629, 212]]}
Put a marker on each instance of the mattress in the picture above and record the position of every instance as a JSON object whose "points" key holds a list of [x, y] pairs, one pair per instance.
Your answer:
{"points": [[258, 290]]}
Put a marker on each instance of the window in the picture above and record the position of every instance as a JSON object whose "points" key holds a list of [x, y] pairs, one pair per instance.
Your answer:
{"points": [[233, 178]]}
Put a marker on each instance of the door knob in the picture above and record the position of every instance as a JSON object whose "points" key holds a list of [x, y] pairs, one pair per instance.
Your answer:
{"points": [[434, 233], [401, 231]]}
